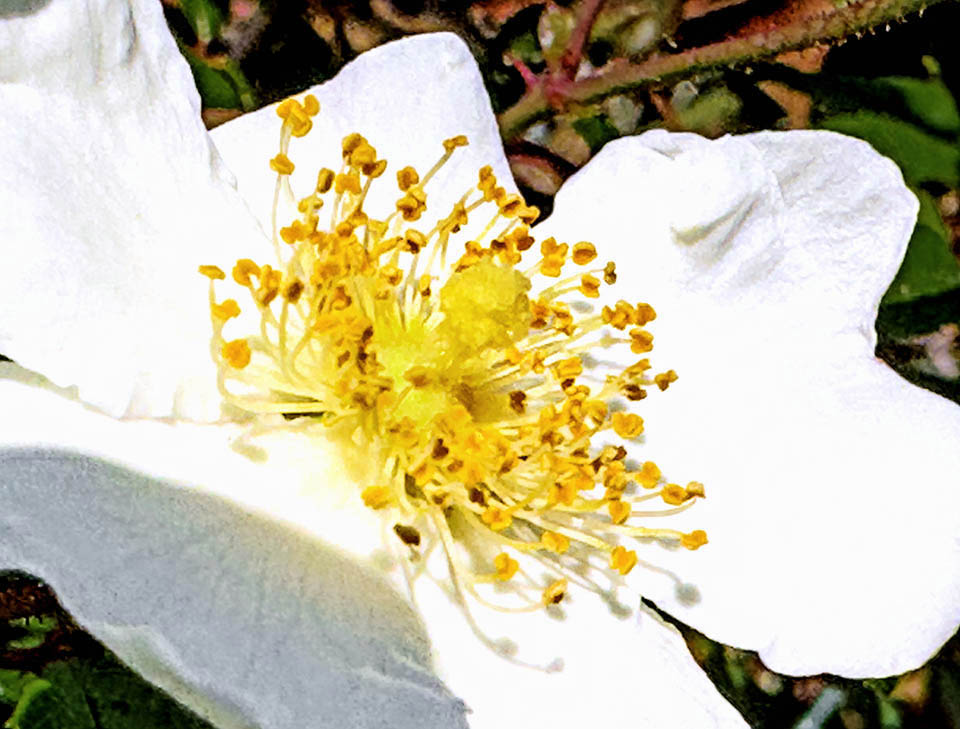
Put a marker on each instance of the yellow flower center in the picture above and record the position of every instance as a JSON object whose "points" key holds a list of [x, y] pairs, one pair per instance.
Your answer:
{"points": [[464, 382]]}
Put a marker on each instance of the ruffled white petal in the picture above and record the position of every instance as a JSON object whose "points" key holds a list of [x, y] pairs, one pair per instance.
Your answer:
{"points": [[405, 97], [112, 195], [832, 484], [247, 621]]}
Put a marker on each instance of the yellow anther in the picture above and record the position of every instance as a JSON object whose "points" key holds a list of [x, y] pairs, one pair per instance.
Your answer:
{"points": [[637, 369], [496, 518], [641, 341], [363, 154], [552, 266], [376, 169], [506, 566], [627, 425], [649, 475], [414, 241], [423, 285], [292, 291], [285, 107], [299, 122], [391, 275], [619, 511], [226, 310], [619, 317], [610, 274], [555, 542], [419, 376], [243, 270], [406, 432], [674, 494], [347, 182], [518, 400], [290, 234], [325, 178], [511, 206], [550, 247], [281, 164], [643, 314], [458, 141], [694, 540], [407, 178], [567, 368], [311, 105], [350, 143], [377, 497], [555, 592], [622, 560], [583, 253], [236, 353], [423, 472], [590, 286], [528, 213], [269, 285], [214, 273], [412, 205], [562, 493], [664, 379], [695, 488]]}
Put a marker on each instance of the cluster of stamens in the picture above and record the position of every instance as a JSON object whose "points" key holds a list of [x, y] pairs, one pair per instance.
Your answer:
{"points": [[468, 390]]}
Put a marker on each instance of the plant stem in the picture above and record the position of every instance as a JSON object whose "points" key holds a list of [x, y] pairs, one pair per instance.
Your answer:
{"points": [[799, 25]]}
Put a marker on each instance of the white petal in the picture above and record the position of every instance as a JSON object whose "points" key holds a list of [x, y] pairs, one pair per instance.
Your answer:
{"points": [[631, 670], [405, 97], [289, 475], [832, 484], [251, 622], [236, 613], [112, 195]]}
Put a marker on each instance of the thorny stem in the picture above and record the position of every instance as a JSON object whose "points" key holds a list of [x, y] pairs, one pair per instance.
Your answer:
{"points": [[799, 25], [586, 15]]}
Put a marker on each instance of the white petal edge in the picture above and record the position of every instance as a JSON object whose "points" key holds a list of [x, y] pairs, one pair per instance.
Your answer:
{"points": [[405, 97], [766, 257], [113, 195]]}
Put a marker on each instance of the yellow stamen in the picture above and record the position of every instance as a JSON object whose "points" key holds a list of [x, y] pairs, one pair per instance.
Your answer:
{"points": [[472, 382], [623, 560], [281, 164], [236, 353], [506, 566]]}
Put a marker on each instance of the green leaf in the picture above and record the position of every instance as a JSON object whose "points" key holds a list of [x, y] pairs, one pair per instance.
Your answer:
{"points": [[43, 705], [928, 100], [95, 693], [12, 684], [204, 17], [216, 88], [921, 156], [929, 267], [36, 629], [710, 113], [596, 131]]}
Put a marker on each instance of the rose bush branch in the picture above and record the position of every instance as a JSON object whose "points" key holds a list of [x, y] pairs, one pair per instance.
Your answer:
{"points": [[798, 25]]}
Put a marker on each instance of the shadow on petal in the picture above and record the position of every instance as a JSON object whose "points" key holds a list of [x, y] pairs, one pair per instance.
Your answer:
{"points": [[246, 620]]}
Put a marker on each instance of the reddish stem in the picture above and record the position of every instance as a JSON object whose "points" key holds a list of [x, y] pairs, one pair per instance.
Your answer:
{"points": [[570, 61]]}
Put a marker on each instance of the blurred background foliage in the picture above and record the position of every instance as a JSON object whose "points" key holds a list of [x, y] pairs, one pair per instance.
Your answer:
{"points": [[565, 77]]}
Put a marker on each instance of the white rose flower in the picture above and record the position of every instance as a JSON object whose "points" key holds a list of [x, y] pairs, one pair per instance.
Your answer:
{"points": [[242, 564]]}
